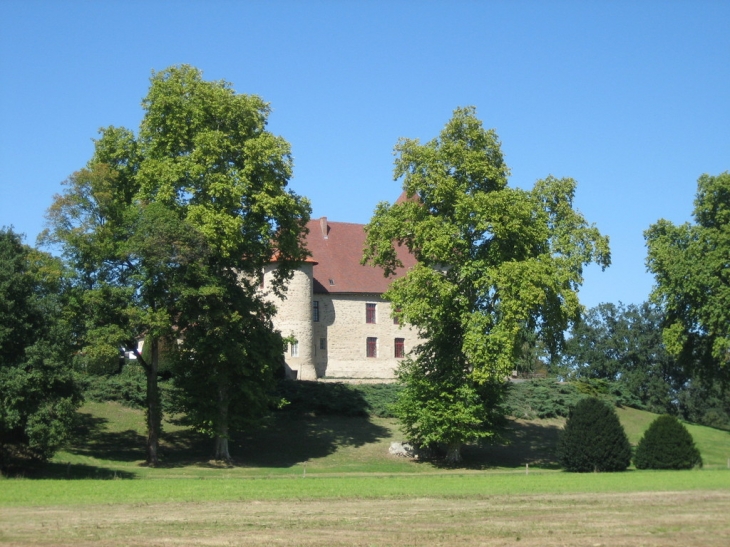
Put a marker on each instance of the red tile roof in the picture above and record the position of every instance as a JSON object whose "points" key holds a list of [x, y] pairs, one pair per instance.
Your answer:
{"points": [[336, 248]]}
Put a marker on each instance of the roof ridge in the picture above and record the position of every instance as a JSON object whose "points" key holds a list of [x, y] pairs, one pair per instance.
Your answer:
{"points": [[338, 222]]}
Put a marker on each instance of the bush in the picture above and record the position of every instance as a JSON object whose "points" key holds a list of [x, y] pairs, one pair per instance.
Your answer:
{"points": [[543, 398], [338, 399], [614, 393], [380, 398], [548, 398], [320, 399], [593, 439], [667, 445], [129, 387]]}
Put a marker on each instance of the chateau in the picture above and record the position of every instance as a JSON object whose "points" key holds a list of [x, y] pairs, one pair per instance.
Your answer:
{"points": [[335, 310]]}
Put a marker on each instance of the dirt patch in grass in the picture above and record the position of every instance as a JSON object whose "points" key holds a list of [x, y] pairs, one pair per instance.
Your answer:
{"points": [[649, 519]]}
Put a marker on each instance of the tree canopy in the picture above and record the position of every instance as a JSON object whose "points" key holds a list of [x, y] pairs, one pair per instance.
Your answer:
{"points": [[691, 265], [624, 344], [494, 262], [38, 392], [163, 226]]}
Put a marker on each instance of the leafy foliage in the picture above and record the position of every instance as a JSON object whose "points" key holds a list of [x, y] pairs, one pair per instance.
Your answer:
{"points": [[169, 232], [690, 264], [593, 439], [443, 410], [494, 263], [667, 445], [129, 387], [705, 403], [622, 345], [38, 391]]}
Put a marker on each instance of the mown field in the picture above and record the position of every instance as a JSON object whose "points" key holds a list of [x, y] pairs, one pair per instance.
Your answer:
{"points": [[329, 480]]}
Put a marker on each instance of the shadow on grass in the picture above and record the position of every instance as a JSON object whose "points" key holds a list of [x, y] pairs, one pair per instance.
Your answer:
{"points": [[286, 440], [524, 443], [62, 470], [92, 439]]}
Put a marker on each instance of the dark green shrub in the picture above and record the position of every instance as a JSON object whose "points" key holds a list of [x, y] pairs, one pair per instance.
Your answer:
{"points": [[614, 393], [667, 445], [540, 398], [319, 398], [548, 398], [593, 439], [380, 398], [129, 387]]}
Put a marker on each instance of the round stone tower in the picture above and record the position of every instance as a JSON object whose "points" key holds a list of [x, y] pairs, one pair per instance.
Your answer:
{"points": [[294, 318]]}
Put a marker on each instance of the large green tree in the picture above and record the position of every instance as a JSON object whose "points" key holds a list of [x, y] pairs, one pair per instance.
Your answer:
{"points": [[225, 380], [624, 344], [164, 226], [691, 265], [38, 394], [494, 262]]}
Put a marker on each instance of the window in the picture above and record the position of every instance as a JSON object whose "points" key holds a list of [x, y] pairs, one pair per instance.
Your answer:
{"points": [[400, 348], [372, 347], [395, 319], [315, 311], [323, 344], [294, 347], [370, 313]]}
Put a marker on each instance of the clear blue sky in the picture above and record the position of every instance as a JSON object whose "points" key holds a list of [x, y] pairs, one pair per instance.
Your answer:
{"points": [[632, 99]]}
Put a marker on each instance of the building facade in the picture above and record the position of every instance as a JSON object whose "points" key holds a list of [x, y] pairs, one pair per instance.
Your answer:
{"points": [[335, 311]]}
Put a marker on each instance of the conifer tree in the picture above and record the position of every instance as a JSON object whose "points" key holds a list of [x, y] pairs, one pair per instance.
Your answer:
{"points": [[667, 445], [593, 439]]}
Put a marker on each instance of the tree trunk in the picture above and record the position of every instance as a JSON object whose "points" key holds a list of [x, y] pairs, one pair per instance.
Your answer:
{"points": [[221, 449], [221, 438], [453, 453], [154, 410]]}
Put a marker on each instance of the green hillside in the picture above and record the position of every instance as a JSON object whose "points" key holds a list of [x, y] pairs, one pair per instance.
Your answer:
{"points": [[110, 442]]}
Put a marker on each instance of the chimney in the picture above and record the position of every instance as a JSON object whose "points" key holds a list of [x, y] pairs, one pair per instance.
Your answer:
{"points": [[324, 227]]}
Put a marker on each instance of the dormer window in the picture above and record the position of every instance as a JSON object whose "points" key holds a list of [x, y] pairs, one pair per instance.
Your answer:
{"points": [[332, 281]]}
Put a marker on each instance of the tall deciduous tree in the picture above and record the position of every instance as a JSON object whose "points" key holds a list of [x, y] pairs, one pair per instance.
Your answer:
{"points": [[170, 230], [38, 394], [691, 264], [624, 343], [494, 262]]}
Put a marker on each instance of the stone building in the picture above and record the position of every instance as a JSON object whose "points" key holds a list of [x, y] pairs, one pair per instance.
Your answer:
{"points": [[335, 310]]}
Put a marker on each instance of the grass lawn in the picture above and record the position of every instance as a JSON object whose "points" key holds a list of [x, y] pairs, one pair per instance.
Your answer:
{"points": [[551, 509], [110, 444], [330, 481]]}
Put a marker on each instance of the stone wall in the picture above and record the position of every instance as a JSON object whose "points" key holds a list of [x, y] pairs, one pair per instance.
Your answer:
{"points": [[336, 345], [344, 328]]}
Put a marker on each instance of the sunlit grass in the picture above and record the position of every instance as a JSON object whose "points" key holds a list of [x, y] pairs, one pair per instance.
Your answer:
{"points": [[111, 439], [714, 444], [445, 485]]}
